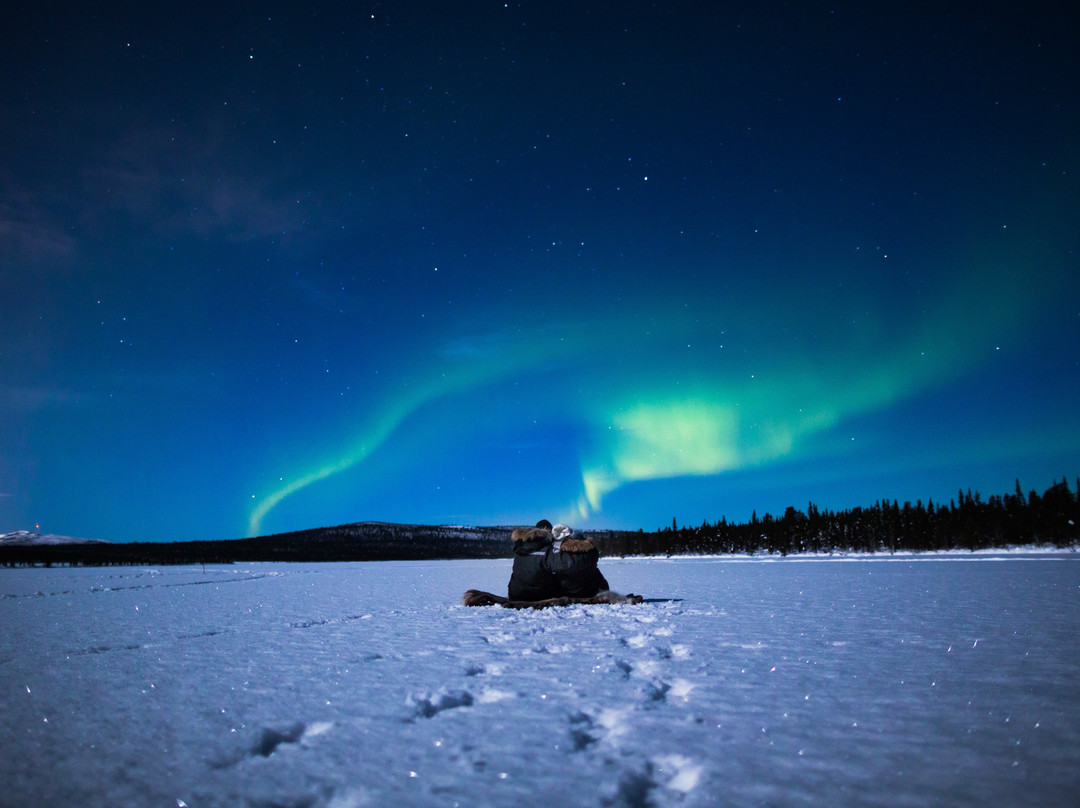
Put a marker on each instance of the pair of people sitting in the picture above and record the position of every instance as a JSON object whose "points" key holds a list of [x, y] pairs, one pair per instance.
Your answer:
{"points": [[551, 562]]}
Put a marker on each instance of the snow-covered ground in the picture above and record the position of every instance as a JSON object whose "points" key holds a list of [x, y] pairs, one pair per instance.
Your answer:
{"points": [[950, 680]]}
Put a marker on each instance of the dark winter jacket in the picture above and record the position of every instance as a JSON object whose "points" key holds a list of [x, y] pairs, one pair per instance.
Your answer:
{"points": [[573, 563], [544, 568], [531, 578]]}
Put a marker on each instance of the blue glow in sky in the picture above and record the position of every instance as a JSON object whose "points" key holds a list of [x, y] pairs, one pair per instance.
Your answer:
{"points": [[606, 263]]}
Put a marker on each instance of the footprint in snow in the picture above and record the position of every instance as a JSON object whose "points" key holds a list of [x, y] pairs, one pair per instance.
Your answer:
{"points": [[582, 735], [655, 687], [267, 741], [655, 690], [640, 786], [633, 789], [606, 726], [426, 705], [271, 738], [484, 669]]}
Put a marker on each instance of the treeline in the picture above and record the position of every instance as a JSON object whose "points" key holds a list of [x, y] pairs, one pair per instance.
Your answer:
{"points": [[967, 523]]}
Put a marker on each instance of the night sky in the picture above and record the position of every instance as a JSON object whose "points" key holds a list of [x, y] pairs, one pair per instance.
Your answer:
{"points": [[272, 266]]}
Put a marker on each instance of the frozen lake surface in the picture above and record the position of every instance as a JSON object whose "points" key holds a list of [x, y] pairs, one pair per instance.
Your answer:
{"points": [[951, 681]]}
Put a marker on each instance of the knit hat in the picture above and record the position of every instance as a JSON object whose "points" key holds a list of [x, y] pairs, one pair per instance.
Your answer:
{"points": [[561, 532]]}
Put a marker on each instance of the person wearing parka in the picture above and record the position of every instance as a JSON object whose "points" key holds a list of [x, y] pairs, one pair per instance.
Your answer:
{"points": [[550, 562], [573, 561], [530, 578]]}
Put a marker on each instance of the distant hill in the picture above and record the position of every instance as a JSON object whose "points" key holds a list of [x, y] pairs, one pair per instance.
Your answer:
{"points": [[374, 541], [26, 538], [358, 541]]}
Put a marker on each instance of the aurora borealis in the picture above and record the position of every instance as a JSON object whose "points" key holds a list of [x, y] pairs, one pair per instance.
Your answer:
{"points": [[271, 266]]}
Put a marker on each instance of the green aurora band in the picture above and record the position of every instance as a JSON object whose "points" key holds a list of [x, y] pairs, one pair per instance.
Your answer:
{"points": [[739, 402]]}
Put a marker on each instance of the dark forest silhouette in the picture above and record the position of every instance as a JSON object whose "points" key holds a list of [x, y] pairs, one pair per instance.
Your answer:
{"points": [[966, 523]]}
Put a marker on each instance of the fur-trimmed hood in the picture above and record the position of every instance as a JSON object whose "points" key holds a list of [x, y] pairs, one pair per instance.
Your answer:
{"points": [[530, 539], [576, 545]]}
